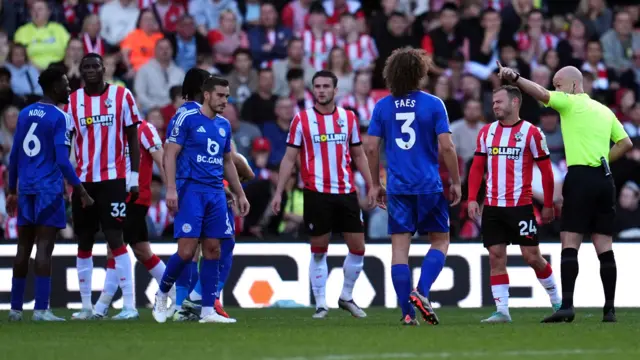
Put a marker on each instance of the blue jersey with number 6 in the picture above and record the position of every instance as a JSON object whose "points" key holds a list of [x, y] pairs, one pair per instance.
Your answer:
{"points": [[410, 126], [40, 128]]}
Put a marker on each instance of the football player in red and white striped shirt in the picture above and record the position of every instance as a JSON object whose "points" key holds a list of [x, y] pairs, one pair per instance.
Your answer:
{"points": [[317, 40], [136, 233], [105, 119], [361, 98], [360, 48], [509, 147], [327, 139]]}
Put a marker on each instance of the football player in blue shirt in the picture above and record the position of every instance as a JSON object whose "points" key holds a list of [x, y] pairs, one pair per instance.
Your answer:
{"points": [[413, 125], [197, 158], [38, 163]]}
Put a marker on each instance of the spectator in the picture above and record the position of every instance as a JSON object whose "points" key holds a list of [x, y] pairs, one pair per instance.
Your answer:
{"points": [[335, 8], [513, 16], [551, 60], [276, 132], [118, 19], [156, 76], [628, 212], [295, 60], [633, 126], [318, 40], [91, 38], [596, 15], [260, 106], [45, 40], [443, 90], [361, 98], [572, 49], [542, 75], [360, 48], [300, 97], [4, 46], [628, 167], [465, 131], [226, 39], [138, 47], [158, 213], [394, 36], [445, 40], [636, 67], [24, 76], [483, 39], [71, 63], [175, 94], [188, 44], [294, 15], [243, 132], [205, 62], [110, 63], [619, 44], [535, 40], [243, 79], [340, 65], [7, 130], [251, 13], [268, 41], [7, 96], [8, 18], [623, 103], [550, 125], [24, 11], [593, 64], [167, 13], [207, 13]]}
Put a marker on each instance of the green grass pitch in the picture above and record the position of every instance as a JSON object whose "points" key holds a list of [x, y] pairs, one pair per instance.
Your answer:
{"points": [[291, 334]]}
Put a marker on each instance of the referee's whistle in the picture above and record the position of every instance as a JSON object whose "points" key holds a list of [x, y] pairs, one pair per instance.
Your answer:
{"points": [[605, 166]]}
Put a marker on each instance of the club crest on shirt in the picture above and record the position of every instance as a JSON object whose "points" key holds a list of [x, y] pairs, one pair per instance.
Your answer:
{"points": [[222, 132], [518, 136], [108, 102], [175, 131], [340, 122]]}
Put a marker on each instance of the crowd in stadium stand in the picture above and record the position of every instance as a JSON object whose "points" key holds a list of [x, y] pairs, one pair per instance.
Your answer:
{"points": [[269, 50]]}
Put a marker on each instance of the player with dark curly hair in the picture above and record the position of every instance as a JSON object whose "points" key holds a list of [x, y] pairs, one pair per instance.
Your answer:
{"points": [[414, 196]]}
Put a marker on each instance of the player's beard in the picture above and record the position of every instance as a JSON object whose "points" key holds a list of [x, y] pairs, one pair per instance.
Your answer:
{"points": [[323, 103], [505, 114]]}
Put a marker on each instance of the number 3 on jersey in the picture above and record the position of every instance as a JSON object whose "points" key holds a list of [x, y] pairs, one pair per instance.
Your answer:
{"points": [[406, 128], [29, 139]]}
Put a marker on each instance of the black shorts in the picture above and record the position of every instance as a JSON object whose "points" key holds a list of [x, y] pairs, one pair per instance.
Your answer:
{"points": [[135, 224], [329, 213], [108, 210], [509, 225], [589, 201]]}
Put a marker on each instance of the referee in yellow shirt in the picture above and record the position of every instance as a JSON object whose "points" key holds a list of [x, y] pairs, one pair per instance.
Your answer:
{"points": [[588, 128]]}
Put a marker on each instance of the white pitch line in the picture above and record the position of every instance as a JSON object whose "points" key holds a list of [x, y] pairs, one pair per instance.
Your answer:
{"points": [[448, 355]]}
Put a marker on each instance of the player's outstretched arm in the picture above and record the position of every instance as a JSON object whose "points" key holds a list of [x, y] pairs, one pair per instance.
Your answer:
{"points": [[286, 167], [450, 157], [536, 91], [231, 174]]}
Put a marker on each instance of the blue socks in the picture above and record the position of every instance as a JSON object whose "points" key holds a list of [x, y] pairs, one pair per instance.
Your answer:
{"points": [[17, 293], [401, 277], [209, 273], [431, 267], [175, 267], [226, 260], [43, 290], [194, 275]]}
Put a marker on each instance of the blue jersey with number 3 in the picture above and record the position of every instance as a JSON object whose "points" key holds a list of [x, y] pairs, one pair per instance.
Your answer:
{"points": [[410, 126], [40, 128]]}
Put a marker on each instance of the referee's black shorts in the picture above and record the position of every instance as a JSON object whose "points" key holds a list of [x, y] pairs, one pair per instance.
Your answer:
{"points": [[589, 204]]}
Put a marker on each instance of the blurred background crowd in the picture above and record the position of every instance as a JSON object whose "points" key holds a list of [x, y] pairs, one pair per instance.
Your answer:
{"points": [[269, 50]]}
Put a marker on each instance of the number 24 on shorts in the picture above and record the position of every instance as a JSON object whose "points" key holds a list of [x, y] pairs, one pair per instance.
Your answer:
{"points": [[527, 228], [406, 128]]}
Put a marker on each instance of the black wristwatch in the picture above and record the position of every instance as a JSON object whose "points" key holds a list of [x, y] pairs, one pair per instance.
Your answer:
{"points": [[517, 77]]}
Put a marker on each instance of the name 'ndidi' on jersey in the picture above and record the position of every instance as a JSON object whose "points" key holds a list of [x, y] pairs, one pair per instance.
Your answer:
{"points": [[40, 128], [410, 126]]}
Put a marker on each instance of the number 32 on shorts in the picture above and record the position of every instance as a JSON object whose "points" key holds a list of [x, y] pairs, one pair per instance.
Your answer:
{"points": [[118, 210], [527, 228]]}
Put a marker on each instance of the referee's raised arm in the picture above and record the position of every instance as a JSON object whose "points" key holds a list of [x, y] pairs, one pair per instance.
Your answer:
{"points": [[588, 128]]}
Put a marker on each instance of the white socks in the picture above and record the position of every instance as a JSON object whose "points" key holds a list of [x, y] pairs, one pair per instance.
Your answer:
{"points": [[110, 288], [125, 276], [318, 273], [352, 268], [548, 282], [500, 291], [84, 265]]}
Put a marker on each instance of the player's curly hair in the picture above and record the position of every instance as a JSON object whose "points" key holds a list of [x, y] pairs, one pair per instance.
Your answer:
{"points": [[404, 69]]}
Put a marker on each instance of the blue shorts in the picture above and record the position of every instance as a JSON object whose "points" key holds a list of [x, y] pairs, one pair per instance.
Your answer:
{"points": [[202, 215], [42, 209], [423, 213], [230, 222]]}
